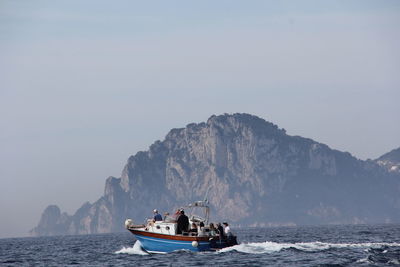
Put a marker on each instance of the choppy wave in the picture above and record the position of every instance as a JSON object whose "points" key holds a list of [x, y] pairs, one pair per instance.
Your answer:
{"points": [[136, 249], [269, 247], [339, 246]]}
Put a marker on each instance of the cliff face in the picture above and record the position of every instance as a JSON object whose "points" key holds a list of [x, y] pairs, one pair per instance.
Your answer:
{"points": [[256, 175]]}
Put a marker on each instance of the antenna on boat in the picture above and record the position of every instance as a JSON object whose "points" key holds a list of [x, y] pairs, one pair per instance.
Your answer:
{"points": [[206, 196], [207, 210]]}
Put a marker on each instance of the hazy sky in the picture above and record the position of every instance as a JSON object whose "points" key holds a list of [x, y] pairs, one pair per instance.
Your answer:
{"points": [[86, 84]]}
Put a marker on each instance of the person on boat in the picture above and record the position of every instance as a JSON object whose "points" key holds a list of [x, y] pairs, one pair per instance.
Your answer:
{"points": [[176, 215], [213, 230], [193, 229], [183, 223], [230, 238], [201, 230], [166, 215], [157, 216], [227, 229], [220, 231]]}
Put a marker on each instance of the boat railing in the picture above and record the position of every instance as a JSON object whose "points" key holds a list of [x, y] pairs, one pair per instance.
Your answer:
{"points": [[196, 219], [130, 225]]}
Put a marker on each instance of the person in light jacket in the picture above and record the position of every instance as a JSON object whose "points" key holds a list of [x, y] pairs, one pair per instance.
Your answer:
{"points": [[200, 230], [227, 229]]}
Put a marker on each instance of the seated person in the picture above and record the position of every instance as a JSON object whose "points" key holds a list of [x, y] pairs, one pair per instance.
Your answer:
{"points": [[193, 229], [213, 230], [201, 229], [157, 216], [166, 215]]}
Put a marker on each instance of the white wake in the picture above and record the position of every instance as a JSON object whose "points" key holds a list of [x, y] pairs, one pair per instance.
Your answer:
{"points": [[136, 249], [269, 247]]}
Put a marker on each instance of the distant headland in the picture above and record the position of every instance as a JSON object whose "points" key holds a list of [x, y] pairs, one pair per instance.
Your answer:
{"points": [[257, 175]]}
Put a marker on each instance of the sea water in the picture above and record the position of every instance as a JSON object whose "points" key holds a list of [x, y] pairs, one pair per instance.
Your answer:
{"points": [[347, 245]]}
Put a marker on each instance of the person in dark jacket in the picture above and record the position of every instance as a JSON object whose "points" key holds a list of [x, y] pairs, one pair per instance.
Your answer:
{"points": [[183, 223], [220, 231], [157, 216]]}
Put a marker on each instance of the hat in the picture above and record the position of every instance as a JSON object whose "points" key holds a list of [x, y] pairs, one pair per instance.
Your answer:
{"points": [[155, 210]]}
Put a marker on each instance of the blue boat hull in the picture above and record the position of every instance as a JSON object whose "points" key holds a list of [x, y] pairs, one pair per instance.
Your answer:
{"points": [[151, 244], [158, 244]]}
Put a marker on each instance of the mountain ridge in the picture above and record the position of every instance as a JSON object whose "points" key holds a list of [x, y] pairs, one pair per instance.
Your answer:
{"points": [[257, 175]]}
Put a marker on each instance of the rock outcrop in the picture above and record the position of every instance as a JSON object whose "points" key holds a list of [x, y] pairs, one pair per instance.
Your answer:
{"points": [[255, 174], [52, 222]]}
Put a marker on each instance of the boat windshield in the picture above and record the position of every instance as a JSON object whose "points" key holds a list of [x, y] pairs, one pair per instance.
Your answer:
{"points": [[199, 211]]}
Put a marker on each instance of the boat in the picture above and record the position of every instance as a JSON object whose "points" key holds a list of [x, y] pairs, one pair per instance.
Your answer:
{"points": [[164, 236]]}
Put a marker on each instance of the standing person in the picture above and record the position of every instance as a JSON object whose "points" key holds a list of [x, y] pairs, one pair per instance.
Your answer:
{"points": [[157, 216], [231, 239], [220, 231], [227, 229], [183, 223]]}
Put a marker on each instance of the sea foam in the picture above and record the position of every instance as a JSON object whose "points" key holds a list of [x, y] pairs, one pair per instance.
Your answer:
{"points": [[136, 249], [269, 247]]}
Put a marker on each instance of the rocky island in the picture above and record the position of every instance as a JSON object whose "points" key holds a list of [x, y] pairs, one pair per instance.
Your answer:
{"points": [[257, 175]]}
